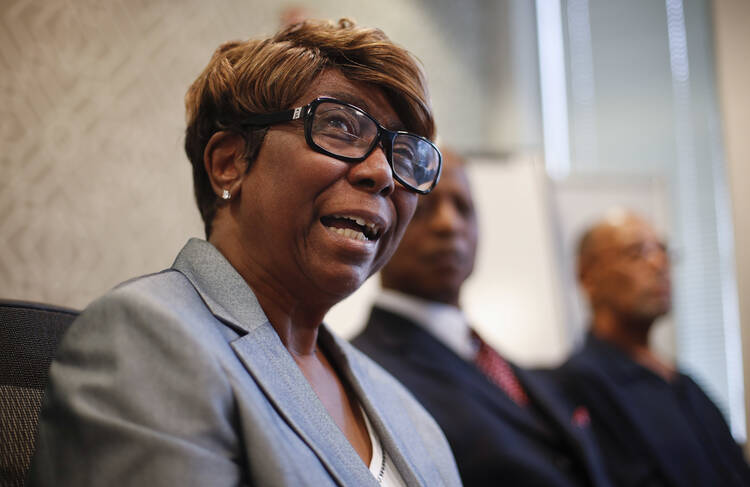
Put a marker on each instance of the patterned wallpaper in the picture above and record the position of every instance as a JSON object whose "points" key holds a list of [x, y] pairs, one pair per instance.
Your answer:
{"points": [[95, 186]]}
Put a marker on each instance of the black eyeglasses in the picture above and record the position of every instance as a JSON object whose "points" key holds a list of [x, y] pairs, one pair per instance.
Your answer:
{"points": [[350, 134]]}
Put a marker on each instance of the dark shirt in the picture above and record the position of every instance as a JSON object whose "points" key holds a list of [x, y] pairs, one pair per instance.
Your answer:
{"points": [[652, 431]]}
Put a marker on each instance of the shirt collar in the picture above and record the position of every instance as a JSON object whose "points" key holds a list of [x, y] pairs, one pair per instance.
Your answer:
{"points": [[444, 322]]}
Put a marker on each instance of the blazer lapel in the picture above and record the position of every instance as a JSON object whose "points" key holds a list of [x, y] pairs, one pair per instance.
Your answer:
{"points": [[276, 373], [266, 359], [422, 350], [374, 398], [564, 416], [220, 286]]}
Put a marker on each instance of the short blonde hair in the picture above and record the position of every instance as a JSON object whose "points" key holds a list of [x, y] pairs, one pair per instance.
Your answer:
{"points": [[268, 75]]}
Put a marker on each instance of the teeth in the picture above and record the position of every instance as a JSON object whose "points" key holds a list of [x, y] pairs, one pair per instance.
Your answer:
{"points": [[374, 229], [349, 233]]}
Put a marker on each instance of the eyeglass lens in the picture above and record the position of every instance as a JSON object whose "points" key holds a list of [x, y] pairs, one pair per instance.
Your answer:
{"points": [[348, 132]]}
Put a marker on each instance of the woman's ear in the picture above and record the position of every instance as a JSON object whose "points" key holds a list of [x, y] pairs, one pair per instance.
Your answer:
{"points": [[224, 160]]}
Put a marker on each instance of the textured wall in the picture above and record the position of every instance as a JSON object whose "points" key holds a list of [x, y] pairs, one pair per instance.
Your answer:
{"points": [[95, 186]]}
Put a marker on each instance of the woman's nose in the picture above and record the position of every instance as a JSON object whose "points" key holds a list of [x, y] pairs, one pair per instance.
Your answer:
{"points": [[374, 174]]}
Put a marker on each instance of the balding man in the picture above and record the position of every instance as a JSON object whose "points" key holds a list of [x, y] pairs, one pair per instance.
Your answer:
{"points": [[653, 423], [506, 426]]}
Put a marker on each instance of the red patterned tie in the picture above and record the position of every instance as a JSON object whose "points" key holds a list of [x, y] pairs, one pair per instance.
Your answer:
{"points": [[498, 370]]}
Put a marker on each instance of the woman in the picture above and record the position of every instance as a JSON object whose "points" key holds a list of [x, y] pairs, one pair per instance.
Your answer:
{"points": [[218, 370]]}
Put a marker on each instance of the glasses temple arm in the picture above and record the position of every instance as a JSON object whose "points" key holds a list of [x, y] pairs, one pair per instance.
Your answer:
{"points": [[263, 119]]}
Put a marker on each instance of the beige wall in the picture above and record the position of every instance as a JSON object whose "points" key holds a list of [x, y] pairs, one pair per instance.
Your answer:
{"points": [[95, 185], [732, 40]]}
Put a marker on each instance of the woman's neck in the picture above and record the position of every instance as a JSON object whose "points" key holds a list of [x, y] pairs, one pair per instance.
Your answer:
{"points": [[295, 320]]}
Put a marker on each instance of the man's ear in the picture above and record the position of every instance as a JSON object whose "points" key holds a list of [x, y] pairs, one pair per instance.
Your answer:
{"points": [[225, 162], [585, 279]]}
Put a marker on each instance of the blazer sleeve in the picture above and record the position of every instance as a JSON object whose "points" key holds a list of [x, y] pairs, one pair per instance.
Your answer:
{"points": [[136, 398]]}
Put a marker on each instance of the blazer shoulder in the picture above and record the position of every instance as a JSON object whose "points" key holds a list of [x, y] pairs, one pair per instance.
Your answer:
{"points": [[167, 286], [388, 336], [382, 326], [162, 309], [108, 385], [167, 294]]}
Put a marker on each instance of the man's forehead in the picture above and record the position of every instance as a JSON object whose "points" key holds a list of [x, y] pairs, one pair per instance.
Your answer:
{"points": [[624, 232], [637, 230]]}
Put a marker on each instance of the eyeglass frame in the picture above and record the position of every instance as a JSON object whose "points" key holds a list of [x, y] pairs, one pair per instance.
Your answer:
{"points": [[383, 135]]}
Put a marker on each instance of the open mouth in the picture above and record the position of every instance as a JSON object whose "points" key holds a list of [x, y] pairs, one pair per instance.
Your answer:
{"points": [[353, 227]]}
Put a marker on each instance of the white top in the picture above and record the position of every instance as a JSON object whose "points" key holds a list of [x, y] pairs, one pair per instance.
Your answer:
{"points": [[446, 323], [381, 466]]}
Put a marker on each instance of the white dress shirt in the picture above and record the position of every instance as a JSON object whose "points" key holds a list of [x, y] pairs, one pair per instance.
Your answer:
{"points": [[445, 322]]}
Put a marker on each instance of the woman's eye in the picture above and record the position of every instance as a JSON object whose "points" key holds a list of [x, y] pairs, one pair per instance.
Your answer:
{"points": [[341, 124], [404, 152], [338, 123], [403, 160]]}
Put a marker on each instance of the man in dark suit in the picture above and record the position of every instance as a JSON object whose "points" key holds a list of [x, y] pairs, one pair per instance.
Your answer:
{"points": [[654, 424], [505, 425]]}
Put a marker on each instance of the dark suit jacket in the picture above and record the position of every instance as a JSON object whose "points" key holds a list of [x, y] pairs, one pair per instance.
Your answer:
{"points": [[495, 442], [652, 432]]}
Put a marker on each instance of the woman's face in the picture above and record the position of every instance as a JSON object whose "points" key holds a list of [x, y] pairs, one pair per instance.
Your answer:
{"points": [[300, 209]]}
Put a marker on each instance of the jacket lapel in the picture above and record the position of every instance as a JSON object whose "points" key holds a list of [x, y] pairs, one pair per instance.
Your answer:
{"points": [[375, 399], [422, 350], [266, 359], [276, 373], [578, 437]]}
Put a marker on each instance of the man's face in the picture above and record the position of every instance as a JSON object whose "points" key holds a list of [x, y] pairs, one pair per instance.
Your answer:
{"points": [[628, 272], [437, 252]]}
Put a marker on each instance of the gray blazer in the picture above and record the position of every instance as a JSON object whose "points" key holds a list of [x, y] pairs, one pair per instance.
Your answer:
{"points": [[178, 378]]}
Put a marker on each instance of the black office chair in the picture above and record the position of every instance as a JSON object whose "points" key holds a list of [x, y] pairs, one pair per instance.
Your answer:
{"points": [[29, 335]]}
